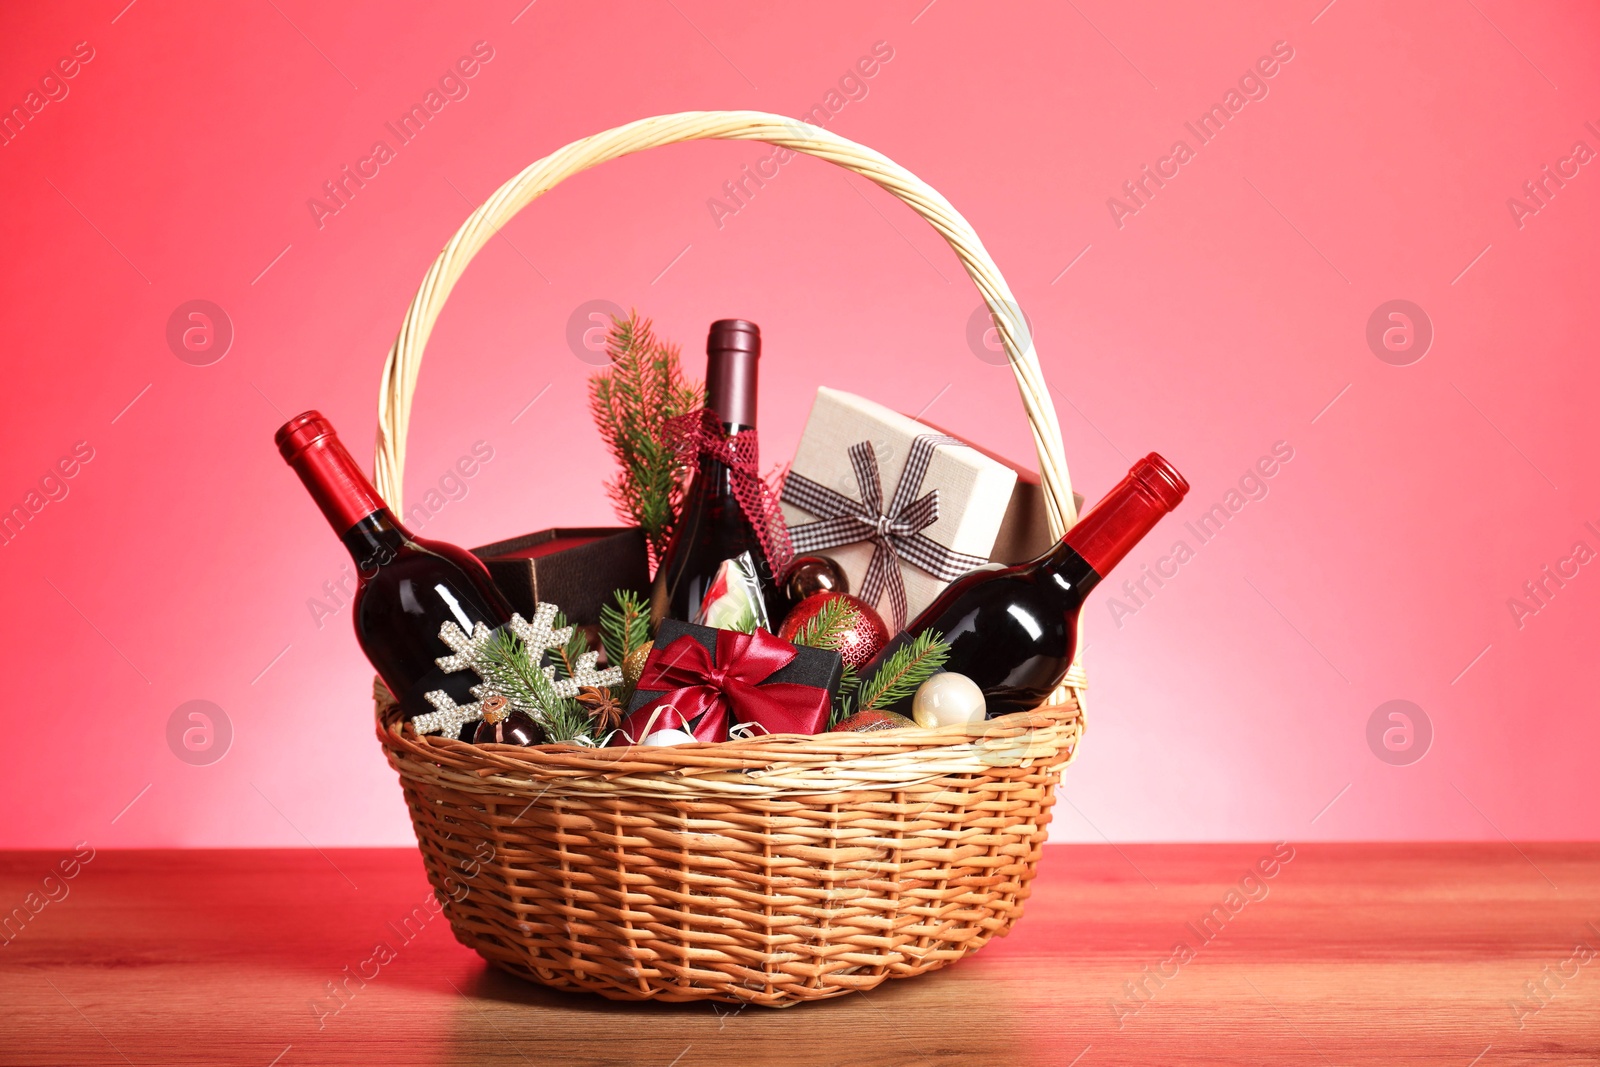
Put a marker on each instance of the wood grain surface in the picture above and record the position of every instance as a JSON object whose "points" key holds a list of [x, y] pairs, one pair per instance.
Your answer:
{"points": [[1344, 954]]}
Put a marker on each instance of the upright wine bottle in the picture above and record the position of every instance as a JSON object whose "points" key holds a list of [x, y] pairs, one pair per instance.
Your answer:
{"points": [[1014, 630], [408, 587], [712, 526]]}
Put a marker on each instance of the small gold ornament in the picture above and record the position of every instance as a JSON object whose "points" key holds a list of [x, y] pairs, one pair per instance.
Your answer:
{"points": [[633, 665], [496, 709]]}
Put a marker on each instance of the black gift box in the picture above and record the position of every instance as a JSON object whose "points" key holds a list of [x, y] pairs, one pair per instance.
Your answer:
{"points": [[819, 668], [577, 569]]}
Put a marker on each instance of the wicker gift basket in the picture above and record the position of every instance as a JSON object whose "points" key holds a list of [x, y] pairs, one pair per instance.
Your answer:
{"points": [[771, 870]]}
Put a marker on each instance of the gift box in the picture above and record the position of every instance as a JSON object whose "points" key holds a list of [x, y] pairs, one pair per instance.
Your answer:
{"points": [[903, 508], [710, 683], [1025, 530], [576, 567]]}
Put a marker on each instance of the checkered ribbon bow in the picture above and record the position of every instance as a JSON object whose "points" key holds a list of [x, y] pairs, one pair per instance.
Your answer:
{"points": [[895, 532], [699, 434]]}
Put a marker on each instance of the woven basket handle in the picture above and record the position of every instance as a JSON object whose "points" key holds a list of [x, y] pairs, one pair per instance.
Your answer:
{"points": [[405, 357]]}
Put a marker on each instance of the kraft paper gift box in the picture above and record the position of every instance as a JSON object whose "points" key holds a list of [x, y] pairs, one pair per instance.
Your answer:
{"points": [[902, 507], [1025, 531]]}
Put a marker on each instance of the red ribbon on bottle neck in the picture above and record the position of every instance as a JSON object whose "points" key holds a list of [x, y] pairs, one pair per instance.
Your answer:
{"points": [[710, 694], [699, 434]]}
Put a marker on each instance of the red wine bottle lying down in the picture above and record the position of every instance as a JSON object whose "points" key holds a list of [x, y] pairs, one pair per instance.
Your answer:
{"points": [[1014, 630], [409, 587]]}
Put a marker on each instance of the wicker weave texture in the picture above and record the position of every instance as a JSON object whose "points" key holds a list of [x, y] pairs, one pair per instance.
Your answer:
{"points": [[772, 872]]}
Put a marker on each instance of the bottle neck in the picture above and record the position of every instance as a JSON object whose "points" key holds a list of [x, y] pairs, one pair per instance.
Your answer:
{"points": [[731, 387], [1070, 570], [374, 541], [1122, 518], [340, 488], [714, 473], [733, 356]]}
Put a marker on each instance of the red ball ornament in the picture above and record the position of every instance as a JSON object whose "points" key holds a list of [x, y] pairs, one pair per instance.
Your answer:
{"points": [[862, 638]]}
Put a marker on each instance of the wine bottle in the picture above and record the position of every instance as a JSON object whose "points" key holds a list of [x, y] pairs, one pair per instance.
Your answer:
{"points": [[712, 526], [1014, 630], [408, 587]]}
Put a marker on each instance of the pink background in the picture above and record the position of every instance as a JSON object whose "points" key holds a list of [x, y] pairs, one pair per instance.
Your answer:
{"points": [[1228, 314]]}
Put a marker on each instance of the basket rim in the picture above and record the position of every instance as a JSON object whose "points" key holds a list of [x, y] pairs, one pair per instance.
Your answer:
{"points": [[770, 762]]}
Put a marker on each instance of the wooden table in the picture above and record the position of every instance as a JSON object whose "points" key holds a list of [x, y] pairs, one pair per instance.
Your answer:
{"points": [[1382, 954]]}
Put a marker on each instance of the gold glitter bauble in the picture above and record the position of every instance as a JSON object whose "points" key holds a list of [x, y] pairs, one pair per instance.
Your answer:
{"points": [[633, 664]]}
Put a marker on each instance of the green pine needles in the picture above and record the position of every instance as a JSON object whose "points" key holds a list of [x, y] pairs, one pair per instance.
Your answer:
{"points": [[624, 629], [624, 626], [844, 700], [632, 402], [899, 676], [566, 657], [824, 628], [511, 670], [896, 678]]}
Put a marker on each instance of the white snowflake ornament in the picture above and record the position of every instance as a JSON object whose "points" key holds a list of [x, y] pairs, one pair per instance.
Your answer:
{"points": [[584, 674], [540, 637], [450, 717], [468, 650]]}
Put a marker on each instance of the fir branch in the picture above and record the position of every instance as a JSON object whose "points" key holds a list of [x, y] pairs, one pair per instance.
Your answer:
{"points": [[844, 699], [569, 722], [906, 669], [631, 403], [566, 657], [513, 673], [624, 626], [511, 670], [824, 629]]}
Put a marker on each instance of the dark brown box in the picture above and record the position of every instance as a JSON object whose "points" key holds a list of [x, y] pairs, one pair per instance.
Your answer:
{"points": [[575, 568]]}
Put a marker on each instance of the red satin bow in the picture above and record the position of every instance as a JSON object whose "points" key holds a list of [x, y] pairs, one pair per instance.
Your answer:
{"points": [[707, 695]]}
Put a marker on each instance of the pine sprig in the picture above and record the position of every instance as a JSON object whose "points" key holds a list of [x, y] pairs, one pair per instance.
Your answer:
{"points": [[903, 672], [511, 670], [824, 629], [624, 626], [631, 402], [844, 700], [565, 658], [569, 722]]}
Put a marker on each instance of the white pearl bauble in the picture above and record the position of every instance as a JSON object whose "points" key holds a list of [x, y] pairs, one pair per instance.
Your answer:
{"points": [[947, 699], [662, 738]]}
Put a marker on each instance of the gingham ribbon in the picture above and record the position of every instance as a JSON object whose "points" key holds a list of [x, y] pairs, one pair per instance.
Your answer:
{"points": [[699, 434], [894, 533]]}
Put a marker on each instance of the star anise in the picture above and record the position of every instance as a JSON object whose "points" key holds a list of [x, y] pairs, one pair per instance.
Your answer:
{"points": [[601, 706]]}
